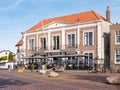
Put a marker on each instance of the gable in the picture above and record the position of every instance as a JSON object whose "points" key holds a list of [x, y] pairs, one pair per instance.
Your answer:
{"points": [[20, 42], [74, 18], [55, 24]]}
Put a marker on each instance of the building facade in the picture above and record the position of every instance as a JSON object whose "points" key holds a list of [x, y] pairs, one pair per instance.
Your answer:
{"points": [[20, 52], [81, 39], [4, 60], [115, 46]]}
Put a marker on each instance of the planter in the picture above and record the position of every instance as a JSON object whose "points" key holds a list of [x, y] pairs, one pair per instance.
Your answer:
{"points": [[21, 69], [53, 74], [113, 80]]}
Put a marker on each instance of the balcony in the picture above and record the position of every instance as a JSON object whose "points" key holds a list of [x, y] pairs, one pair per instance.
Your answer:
{"points": [[38, 50], [52, 49], [69, 49]]}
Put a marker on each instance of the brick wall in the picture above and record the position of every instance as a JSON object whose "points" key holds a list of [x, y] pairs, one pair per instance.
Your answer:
{"points": [[113, 47]]}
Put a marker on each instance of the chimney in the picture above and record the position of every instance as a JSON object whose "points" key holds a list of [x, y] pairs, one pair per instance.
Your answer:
{"points": [[108, 14]]}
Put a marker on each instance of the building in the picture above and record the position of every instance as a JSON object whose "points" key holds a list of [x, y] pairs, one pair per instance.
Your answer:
{"points": [[4, 62], [115, 46], [4, 53], [80, 39], [20, 52]]}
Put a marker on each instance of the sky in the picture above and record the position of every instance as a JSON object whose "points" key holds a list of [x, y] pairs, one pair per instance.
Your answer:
{"points": [[17, 16]]}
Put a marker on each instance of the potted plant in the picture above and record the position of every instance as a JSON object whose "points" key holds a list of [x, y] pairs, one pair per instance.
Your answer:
{"points": [[32, 66]]}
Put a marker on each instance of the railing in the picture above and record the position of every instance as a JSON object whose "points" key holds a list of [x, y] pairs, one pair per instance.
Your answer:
{"points": [[64, 48], [69, 48], [38, 49]]}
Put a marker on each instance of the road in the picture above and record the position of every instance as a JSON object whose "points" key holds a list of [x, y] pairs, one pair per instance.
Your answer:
{"points": [[12, 80]]}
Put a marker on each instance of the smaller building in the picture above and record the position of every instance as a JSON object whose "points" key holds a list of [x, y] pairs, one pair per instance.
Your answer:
{"points": [[20, 52], [4, 62], [115, 46], [4, 53]]}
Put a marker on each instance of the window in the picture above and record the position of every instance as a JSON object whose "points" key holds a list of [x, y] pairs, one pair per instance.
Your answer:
{"points": [[72, 60], [117, 55], [71, 40], [117, 35], [43, 43], [31, 44], [56, 42], [88, 38], [18, 49], [88, 61]]}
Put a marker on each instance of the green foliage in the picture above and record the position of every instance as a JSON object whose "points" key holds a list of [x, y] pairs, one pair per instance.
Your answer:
{"points": [[3, 58], [32, 66], [10, 57]]}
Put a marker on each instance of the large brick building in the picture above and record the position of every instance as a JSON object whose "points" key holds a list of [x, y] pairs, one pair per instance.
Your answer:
{"points": [[115, 46], [78, 38]]}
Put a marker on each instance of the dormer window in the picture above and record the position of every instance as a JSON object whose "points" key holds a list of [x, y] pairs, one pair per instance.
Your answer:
{"points": [[78, 19]]}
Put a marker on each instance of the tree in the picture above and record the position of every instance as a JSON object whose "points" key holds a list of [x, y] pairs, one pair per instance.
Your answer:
{"points": [[3, 58], [10, 57]]}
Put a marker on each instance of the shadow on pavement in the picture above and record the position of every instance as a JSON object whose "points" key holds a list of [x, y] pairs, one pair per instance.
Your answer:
{"points": [[93, 78], [7, 82], [101, 79]]}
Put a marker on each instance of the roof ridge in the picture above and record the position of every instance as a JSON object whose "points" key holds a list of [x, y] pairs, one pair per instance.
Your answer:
{"points": [[5, 50], [70, 18], [98, 15], [68, 15], [19, 42], [95, 14]]}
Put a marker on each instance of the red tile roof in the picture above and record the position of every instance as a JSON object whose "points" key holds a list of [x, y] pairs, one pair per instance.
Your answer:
{"points": [[79, 17], [19, 43]]}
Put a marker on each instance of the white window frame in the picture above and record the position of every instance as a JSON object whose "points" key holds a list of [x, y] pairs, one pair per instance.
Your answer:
{"points": [[87, 31], [40, 45], [53, 42], [68, 41], [29, 47], [117, 43], [115, 56], [88, 52]]}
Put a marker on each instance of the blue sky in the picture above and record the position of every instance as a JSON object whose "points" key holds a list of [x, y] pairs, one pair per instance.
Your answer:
{"points": [[17, 16]]}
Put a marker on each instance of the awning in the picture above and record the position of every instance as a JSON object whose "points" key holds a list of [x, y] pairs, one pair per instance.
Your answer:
{"points": [[33, 57], [54, 56], [39, 57], [64, 56]]}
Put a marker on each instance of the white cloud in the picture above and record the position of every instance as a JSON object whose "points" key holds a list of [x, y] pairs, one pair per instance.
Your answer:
{"points": [[11, 5], [18, 2]]}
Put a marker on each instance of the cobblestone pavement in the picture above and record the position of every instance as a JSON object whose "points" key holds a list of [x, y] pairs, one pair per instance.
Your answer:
{"points": [[69, 80]]}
